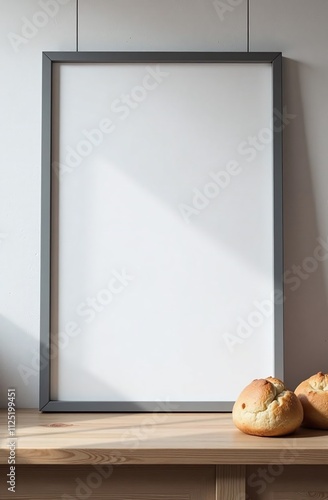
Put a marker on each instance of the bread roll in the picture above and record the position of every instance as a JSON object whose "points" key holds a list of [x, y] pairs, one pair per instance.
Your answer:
{"points": [[266, 408], [313, 394]]}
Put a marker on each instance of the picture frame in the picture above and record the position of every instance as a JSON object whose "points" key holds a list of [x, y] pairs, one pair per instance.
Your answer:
{"points": [[169, 136]]}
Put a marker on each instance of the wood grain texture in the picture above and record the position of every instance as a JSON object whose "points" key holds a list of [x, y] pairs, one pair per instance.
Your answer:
{"points": [[290, 482], [305, 495], [163, 438], [69, 482], [230, 482]]}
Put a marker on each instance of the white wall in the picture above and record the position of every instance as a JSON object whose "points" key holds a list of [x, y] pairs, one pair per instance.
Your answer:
{"points": [[296, 27], [20, 135]]}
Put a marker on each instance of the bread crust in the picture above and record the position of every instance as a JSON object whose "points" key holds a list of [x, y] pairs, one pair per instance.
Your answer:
{"points": [[313, 394], [266, 408]]}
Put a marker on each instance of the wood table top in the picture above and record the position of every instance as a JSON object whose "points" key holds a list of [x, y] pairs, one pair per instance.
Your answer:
{"points": [[151, 438]]}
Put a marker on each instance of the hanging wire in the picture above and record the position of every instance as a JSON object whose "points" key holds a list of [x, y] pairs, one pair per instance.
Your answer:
{"points": [[77, 25], [247, 21]]}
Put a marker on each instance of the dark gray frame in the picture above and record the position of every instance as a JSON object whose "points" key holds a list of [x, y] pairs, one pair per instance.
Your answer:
{"points": [[275, 58]]}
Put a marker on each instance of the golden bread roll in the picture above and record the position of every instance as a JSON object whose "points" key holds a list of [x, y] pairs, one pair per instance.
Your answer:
{"points": [[266, 408], [313, 394]]}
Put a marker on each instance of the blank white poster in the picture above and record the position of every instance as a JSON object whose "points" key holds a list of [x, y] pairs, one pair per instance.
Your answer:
{"points": [[162, 239]]}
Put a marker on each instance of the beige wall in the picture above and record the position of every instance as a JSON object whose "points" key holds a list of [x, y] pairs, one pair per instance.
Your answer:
{"points": [[295, 27]]}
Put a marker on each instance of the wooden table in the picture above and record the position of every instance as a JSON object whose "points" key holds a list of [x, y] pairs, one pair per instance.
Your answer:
{"points": [[158, 456]]}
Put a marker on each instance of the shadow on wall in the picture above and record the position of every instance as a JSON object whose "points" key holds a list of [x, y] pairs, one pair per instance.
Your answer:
{"points": [[19, 369], [14, 372], [306, 312]]}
